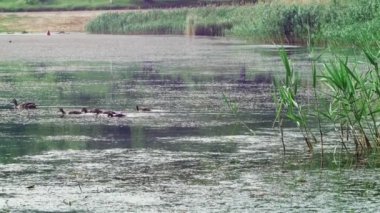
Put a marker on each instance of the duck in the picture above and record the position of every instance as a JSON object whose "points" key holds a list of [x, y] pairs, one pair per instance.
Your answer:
{"points": [[70, 112], [116, 115], [84, 110], [96, 110], [108, 112], [93, 112], [144, 109], [26, 105]]}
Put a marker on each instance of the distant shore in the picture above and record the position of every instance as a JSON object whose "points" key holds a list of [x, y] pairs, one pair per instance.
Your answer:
{"points": [[55, 21]]}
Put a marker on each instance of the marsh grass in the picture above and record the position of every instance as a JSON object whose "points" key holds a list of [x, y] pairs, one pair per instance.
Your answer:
{"points": [[190, 21], [346, 96], [311, 23], [286, 101], [51, 5], [148, 23]]}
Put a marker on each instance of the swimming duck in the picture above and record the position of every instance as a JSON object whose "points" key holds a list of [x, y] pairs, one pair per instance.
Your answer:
{"points": [[91, 112], [70, 112], [84, 110], [116, 115], [26, 105], [144, 109], [96, 110], [108, 112]]}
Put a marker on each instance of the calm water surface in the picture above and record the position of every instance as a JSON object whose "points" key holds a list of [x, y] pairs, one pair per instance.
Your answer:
{"points": [[189, 154]]}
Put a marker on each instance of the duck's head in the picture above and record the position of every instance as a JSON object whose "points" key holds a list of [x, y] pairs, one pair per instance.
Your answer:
{"points": [[84, 109], [61, 110], [14, 101]]}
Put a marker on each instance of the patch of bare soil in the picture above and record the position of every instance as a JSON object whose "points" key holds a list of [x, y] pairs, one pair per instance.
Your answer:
{"points": [[55, 21]]}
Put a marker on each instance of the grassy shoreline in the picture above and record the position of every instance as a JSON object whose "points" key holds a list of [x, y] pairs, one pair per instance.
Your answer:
{"points": [[282, 21], [73, 5], [334, 23]]}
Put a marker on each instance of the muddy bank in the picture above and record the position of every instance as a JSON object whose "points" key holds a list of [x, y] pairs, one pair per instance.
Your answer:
{"points": [[55, 21]]}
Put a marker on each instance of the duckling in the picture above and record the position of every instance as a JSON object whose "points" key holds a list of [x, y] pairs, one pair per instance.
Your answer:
{"points": [[99, 112], [92, 112], [144, 109], [85, 110], [96, 110], [116, 115], [26, 105], [70, 112], [108, 112]]}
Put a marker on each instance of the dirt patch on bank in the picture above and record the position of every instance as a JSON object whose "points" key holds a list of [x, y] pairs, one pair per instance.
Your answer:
{"points": [[56, 21]]}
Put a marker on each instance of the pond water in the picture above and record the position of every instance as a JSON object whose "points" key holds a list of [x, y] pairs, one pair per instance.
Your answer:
{"points": [[190, 153]]}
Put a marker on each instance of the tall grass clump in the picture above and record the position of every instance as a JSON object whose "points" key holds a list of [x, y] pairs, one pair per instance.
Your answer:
{"points": [[197, 21], [327, 22], [352, 22], [286, 101], [279, 23], [153, 22], [261, 22], [346, 98]]}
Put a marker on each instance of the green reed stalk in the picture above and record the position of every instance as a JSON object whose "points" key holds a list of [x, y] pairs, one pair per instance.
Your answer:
{"points": [[286, 93], [314, 70], [348, 92], [373, 93], [234, 108], [352, 99], [279, 117]]}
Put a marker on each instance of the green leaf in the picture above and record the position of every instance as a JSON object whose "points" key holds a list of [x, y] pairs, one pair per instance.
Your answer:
{"points": [[370, 57]]}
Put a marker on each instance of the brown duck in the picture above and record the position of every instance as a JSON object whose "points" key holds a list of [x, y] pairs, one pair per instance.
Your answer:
{"points": [[96, 110], [109, 113], [26, 105], [116, 115], [143, 109], [70, 112]]}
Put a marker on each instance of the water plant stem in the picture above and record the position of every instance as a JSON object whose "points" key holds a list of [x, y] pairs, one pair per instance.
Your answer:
{"points": [[353, 102]]}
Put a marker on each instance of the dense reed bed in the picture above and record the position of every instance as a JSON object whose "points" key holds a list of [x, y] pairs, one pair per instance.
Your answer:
{"points": [[346, 100], [200, 21], [334, 22]]}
